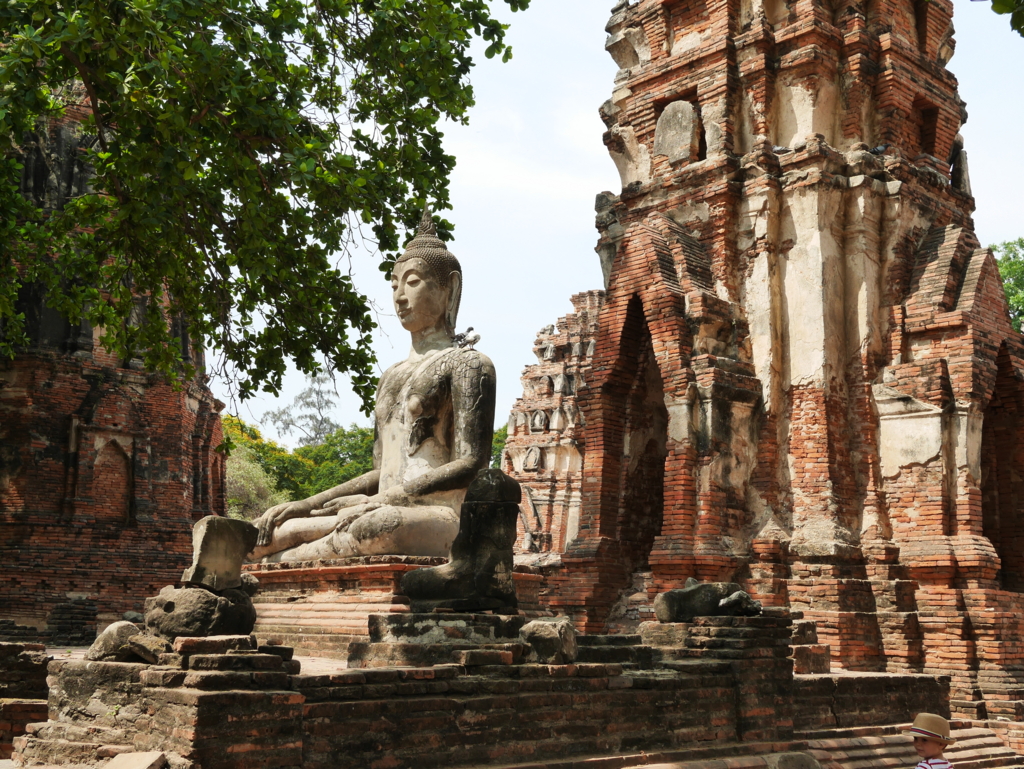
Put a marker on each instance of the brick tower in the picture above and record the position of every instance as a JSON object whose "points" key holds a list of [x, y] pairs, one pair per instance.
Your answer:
{"points": [[103, 467], [803, 375]]}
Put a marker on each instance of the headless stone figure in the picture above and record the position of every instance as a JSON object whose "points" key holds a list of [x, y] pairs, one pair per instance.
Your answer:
{"points": [[435, 416]]}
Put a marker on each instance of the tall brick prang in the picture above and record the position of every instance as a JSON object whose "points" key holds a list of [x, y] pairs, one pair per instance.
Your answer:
{"points": [[803, 375]]}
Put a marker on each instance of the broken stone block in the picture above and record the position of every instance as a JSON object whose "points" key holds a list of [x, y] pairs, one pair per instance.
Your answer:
{"points": [[219, 547], [152, 760], [214, 644], [112, 644], [552, 640], [812, 659], [195, 611], [148, 647], [705, 599], [805, 632], [479, 575]]}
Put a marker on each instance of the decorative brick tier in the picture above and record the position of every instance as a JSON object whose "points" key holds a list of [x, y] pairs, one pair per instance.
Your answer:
{"points": [[712, 689], [321, 607]]}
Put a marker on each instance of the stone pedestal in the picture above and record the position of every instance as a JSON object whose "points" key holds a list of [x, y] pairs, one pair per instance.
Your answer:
{"points": [[212, 705], [757, 650], [401, 640], [321, 607]]}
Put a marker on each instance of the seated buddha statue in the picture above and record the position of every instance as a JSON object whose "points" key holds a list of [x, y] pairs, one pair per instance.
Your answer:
{"points": [[434, 425]]}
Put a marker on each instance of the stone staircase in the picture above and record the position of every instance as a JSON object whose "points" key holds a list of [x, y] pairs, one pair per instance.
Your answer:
{"points": [[877, 747], [871, 747], [626, 650]]}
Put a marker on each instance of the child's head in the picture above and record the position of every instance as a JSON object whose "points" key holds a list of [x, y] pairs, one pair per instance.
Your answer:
{"points": [[931, 735]]}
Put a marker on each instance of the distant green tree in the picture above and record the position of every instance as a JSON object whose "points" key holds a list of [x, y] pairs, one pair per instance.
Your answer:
{"points": [[1011, 266], [284, 467], [343, 455], [249, 488], [498, 445], [309, 413]]}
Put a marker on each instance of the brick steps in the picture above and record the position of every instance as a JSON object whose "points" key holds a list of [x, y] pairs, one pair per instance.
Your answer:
{"points": [[886, 746], [738, 754], [862, 748]]}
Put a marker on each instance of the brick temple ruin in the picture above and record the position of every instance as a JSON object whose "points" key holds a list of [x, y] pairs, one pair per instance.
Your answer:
{"points": [[801, 373], [800, 376], [103, 467]]}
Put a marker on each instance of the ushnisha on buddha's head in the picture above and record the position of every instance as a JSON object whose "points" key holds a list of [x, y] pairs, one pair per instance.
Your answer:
{"points": [[426, 284]]}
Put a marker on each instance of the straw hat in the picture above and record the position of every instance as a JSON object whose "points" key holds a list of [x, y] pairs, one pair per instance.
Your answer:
{"points": [[931, 726]]}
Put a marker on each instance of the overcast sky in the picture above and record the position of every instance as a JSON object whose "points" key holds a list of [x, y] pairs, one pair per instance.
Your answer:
{"points": [[531, 161]]}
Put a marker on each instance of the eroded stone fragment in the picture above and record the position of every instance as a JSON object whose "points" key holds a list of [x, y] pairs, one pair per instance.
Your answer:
{"points": [[148, 647], [479, 575], [677, 134], [552, 640], [195, 611], [705, 599], [219, 547], [112, 644]]}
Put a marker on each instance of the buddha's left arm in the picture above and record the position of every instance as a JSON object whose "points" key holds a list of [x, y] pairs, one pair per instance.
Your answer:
{"points": [[473, 397]]}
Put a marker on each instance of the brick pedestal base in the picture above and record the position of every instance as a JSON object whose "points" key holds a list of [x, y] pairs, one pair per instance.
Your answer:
{"points": [[321, 607]]}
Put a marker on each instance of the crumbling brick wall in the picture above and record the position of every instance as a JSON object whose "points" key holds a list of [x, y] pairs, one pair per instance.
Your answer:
{"points": [[103, 467]]}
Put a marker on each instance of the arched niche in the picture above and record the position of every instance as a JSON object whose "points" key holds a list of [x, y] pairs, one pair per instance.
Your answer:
{"points": [[112, 484]]}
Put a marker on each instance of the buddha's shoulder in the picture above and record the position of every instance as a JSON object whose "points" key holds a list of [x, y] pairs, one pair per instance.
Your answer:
{"points": [[467, 360]]}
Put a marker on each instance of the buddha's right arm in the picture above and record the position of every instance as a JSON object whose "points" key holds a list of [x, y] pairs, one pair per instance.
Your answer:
{"points": [[367, 484], [266, 524]]}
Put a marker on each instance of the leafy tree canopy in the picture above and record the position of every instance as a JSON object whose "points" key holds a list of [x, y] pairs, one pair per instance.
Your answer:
{"points": [[498, 445], [1011, 266], [240, 145], [1015, 9], [344, 454], [249, 488]]}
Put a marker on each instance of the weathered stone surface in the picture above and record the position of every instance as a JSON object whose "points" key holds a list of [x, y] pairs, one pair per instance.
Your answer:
{"points": [[552, 640], [707, 599], [450, 628], [219, 548], [112, 644], [805, 632], [195, 611], [677, 134], [148, 647], [792, 761], [153, 759], [479, 574], [812, 659], [216, 644]]}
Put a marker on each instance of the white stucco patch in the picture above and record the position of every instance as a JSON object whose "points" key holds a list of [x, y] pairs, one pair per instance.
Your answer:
{"points": [[909, 430]]}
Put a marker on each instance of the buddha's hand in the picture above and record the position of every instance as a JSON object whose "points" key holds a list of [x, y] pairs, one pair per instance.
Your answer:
{"points": [[339, 503], [277, 515], [396, 496]]}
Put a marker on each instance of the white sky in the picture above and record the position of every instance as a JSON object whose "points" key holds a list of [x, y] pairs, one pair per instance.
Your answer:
{"points": [[531, 162]]}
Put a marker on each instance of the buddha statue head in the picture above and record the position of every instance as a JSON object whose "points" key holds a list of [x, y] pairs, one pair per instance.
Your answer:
{"points": [[427, 257]]}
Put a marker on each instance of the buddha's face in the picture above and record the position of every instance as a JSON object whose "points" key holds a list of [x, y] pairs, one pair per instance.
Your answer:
{"points": [[420, 301]]}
